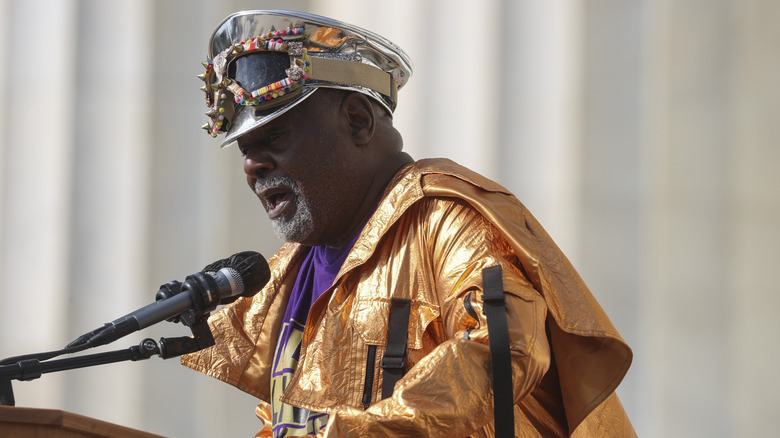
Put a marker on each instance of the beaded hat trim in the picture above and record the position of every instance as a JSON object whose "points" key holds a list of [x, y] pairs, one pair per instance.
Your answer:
{"points": [[219, 87]]}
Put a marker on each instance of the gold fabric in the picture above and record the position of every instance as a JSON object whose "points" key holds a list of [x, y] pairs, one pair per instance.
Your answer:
{"points": [[435, 229]]}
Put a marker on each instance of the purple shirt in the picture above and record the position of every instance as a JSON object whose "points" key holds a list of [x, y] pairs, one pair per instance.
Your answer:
{"points": [[317, 273]]}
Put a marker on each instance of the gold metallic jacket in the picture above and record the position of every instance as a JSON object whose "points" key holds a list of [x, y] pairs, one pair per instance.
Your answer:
{"points": [[437, 226]]}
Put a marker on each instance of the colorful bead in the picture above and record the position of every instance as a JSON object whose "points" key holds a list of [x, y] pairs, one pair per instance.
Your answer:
{"points": [[283, 40]]}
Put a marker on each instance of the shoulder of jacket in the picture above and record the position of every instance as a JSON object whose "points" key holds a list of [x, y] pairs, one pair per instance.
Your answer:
{"points": [[441, 173]]}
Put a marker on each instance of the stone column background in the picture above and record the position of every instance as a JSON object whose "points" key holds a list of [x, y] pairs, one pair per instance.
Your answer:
{"points": [[642, 134]]}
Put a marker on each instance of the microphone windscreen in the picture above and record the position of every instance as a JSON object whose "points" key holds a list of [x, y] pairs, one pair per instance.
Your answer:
{"points": [[252, 269]]}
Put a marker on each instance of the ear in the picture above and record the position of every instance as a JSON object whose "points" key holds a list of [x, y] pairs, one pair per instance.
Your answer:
{"points": [[360, 116]]}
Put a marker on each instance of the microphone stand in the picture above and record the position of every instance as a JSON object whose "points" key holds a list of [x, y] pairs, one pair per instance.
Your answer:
{"points": [[31, 369]]}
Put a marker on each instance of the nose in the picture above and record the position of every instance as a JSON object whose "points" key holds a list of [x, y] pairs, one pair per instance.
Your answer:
{"points": [[257, 164]]}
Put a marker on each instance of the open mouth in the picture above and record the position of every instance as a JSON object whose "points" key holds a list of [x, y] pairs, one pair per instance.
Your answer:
{"points": [[276, 200], [273, 200]]}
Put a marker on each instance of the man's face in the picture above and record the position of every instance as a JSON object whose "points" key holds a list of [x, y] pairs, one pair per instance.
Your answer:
{"points": [[301, 165]]}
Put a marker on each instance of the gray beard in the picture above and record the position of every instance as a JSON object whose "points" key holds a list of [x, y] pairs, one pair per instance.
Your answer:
{"points": [[300, 224]]}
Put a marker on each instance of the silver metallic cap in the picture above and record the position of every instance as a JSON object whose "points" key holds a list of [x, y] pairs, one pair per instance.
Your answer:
{"points": [[322, 53]]}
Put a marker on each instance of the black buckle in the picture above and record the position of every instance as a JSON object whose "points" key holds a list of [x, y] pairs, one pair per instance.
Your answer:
{"points": [[393, 362]]}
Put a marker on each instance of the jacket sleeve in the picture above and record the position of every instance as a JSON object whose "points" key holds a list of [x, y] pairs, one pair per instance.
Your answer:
{"points": [[449, 391]]}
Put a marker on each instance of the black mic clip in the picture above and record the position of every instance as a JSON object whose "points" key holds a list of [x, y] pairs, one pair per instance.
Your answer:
{"points": [[203, 291], [201, 338], [201, 335]]}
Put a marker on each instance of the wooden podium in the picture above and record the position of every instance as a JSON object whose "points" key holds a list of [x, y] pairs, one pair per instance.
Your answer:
{"points": [[49, 423]]}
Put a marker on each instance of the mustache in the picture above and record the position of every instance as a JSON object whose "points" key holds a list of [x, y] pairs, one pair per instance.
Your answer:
{"points": [[275, 181]]}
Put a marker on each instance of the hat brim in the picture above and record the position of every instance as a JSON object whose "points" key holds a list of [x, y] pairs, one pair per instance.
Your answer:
{"points": [[250, 118]]}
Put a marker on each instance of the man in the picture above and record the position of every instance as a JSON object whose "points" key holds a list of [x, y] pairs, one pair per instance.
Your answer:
{"points": [[376, 238]]}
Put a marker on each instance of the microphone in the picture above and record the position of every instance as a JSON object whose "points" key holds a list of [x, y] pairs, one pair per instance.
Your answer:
{"points": [[240, 275], [243, 262]]}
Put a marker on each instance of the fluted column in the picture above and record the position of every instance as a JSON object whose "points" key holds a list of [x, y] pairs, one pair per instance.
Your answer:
{"points": [[35, 203]]}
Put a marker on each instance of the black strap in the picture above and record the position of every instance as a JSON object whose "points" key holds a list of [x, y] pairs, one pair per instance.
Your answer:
{"points": [[395, 354], [500, 358]]}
